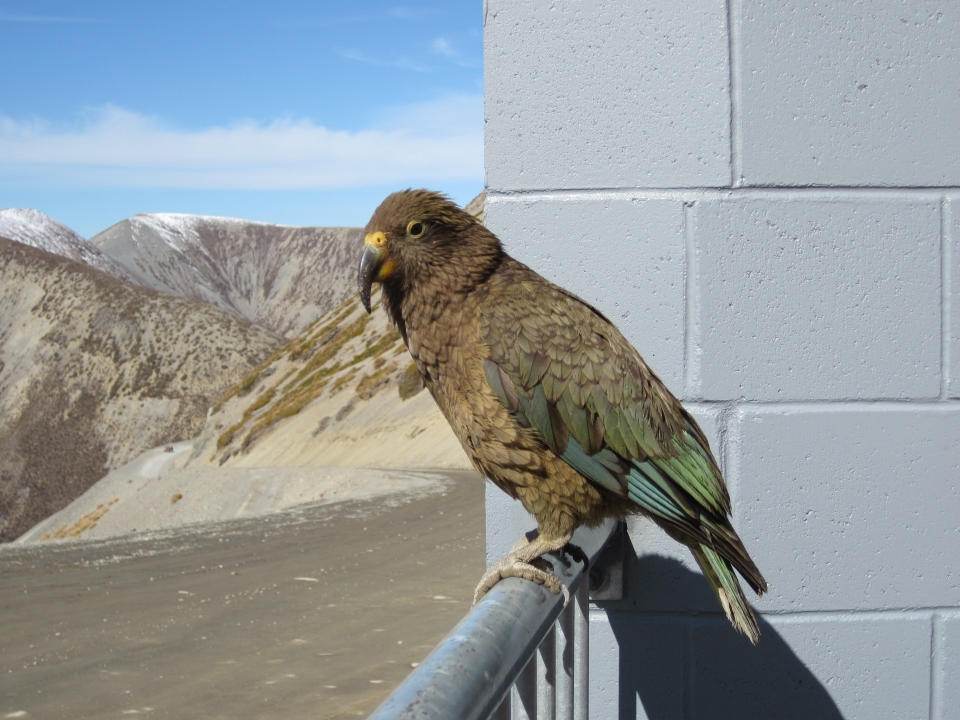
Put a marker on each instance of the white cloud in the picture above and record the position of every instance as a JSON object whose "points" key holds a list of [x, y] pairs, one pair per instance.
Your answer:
{"points": [[439, 141], [401, 62], [442, 46], [446, 49]]}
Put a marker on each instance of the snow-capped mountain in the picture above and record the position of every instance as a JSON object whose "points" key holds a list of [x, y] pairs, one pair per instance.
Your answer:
{"points": [[280, 277], [33, 228], [95, 370]]}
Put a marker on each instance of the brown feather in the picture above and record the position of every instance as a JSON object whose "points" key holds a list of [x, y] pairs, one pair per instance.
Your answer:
{"points": [[462, 304]]}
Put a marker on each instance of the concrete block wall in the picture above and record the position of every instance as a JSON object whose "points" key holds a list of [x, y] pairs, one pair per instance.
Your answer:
{"points": [[765, 197]]}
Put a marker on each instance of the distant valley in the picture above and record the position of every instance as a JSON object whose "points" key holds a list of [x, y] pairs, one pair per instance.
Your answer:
{"points": [[121, 343], [94, 370]]}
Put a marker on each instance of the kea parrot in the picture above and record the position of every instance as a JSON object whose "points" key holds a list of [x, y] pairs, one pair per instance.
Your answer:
{"points": [[548, 399]]}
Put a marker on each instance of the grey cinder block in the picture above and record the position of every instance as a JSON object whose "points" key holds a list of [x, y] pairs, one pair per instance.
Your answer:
{"points": [[599, 95], [852, 508], [805, 299], [506, 522], [637, 666], [946, 666], [823, 668], [952, 228], [844, 93]]}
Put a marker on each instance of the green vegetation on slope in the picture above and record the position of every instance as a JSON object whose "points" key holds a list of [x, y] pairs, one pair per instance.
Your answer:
{"points": [[325, 358]]}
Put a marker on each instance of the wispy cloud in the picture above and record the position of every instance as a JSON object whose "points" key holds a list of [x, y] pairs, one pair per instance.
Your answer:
{"points": [[398, 62], [446, 49], [409, 12], [395, 13], [442, 50], [442, 46], [431, 142]]}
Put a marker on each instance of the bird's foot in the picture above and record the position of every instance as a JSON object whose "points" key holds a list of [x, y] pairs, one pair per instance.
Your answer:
{"points": [[512, 567], [523, 543], [520, 562]]}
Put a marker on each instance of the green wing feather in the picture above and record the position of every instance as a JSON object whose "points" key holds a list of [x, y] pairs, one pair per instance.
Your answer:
{"points": [[568, 373]]}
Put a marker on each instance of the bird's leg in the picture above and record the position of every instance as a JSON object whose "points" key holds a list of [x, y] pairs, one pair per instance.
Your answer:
{"points": [[519, 563], [528, 537]]}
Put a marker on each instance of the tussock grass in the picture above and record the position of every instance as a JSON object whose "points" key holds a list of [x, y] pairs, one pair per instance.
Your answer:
{"points": [[324, 359]]}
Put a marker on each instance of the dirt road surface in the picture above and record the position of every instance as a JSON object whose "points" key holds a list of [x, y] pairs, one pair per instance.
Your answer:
{"points": [[313, 612]]}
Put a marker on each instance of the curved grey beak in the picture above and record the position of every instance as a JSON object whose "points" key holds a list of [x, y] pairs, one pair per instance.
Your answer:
{"points": [[370, 263]]}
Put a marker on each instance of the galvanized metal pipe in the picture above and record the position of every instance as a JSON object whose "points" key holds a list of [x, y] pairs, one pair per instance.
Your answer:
{"points": [[503, 710], [468, 674], [547, 676], [524, 693], [565, 667], [581, 654]]}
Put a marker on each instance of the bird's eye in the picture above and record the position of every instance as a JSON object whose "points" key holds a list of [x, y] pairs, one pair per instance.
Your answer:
{"points": [[415, 229]]}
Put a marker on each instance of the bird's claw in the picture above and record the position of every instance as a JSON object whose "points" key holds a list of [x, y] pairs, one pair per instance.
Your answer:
{"points": [[511, 567], [523, 561]]}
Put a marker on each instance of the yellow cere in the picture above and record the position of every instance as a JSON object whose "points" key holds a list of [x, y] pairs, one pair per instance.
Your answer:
{"points": [[376, 239]]}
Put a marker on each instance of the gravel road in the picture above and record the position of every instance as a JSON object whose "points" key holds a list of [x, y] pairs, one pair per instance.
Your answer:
{"points": [[313, 612]]}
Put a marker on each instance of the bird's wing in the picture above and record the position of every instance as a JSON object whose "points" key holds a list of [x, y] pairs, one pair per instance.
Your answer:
{"points": [[563, 369], [585, 390]]}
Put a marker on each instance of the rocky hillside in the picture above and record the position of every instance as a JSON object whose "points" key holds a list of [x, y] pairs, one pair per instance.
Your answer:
{"points": [[342, 393], [94, 370], [477, 206], [280, 277], [33, 228]]}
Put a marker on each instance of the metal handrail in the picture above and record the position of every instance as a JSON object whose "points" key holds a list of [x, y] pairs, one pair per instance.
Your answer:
{"points": [[510, 635]]}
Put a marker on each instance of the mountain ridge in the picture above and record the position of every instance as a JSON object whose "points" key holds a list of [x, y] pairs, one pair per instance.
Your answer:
{"points": [[264, 272], [341, 393], [94, 370], [282, 277], [36, 229]]}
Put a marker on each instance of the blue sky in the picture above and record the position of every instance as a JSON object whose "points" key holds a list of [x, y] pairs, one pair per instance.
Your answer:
{"points": [[304, 113]]}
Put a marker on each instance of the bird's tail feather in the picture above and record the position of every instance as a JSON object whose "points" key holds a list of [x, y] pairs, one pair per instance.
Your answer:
{"points": [[719, 573]]}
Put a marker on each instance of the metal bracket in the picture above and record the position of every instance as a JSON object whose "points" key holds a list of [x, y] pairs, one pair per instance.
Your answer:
{"points": [[606, 573]]}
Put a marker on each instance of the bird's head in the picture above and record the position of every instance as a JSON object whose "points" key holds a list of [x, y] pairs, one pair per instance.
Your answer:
{"points": [[419, 236]]}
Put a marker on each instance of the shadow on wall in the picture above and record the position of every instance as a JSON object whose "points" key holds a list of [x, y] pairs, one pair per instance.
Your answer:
{"points": [[697, 666]]}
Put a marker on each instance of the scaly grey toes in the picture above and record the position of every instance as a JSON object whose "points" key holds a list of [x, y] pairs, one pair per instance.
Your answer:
{"points": [[520, 544], [508, 567], [543, 577], [491, 577], [556, 586]]}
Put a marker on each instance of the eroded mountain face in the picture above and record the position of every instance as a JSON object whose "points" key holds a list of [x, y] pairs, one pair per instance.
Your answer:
{"points": [[94, 370], [277, 276], [342, 392], [33, 228]]}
